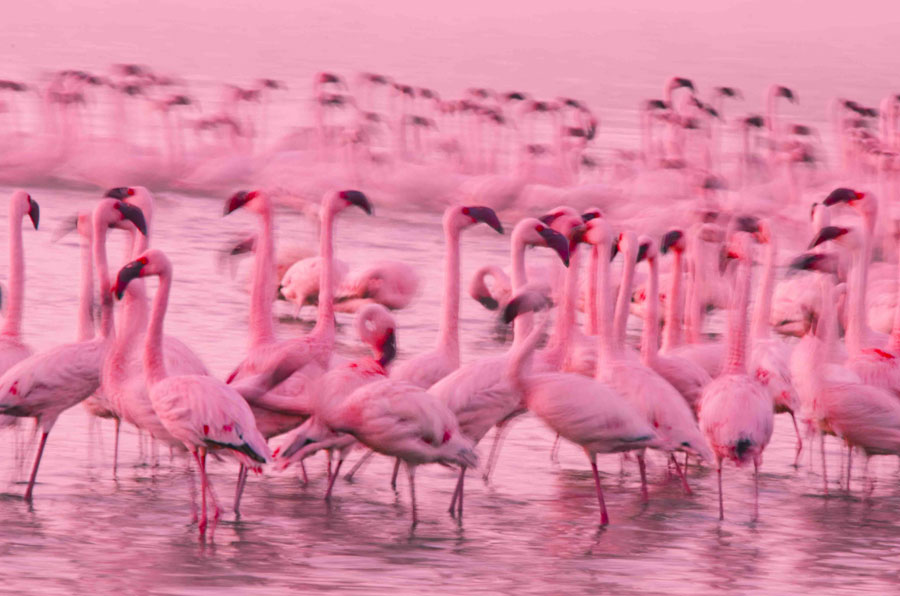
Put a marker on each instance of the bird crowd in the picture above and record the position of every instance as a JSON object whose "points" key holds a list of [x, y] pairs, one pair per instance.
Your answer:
{"points": [[689, 396]]}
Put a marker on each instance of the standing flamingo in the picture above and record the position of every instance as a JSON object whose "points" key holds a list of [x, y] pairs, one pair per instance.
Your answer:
{"points": [[198, 410], [736, 413], [12, 349]]}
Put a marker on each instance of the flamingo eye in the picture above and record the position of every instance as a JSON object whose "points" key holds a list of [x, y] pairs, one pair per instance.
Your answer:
{"points": [[142, 260], [539, 228], [465, 210], [859, 195], [130, 192]]}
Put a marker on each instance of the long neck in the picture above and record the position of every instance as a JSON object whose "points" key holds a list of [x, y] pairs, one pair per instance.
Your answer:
{"points": [[763, 307], [520, 354], [135, 304], [593, 280], [736, 338], [522, 324], [605, 348], [325, 318], [856, 300], [12, 326], [560, 339], [86, 293], [650, 335], [894, 343], [693, 320], [672, 332], [624, 300], [154, 361], [448, 334], [262, 329], [100, 262]]}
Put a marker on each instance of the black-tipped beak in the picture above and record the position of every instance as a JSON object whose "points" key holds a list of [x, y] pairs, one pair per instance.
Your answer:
{"points": [[787, 94], [614, 250], [549, 218], [809, 262], [669, 240], [120, 193], [34, 212], [236, 201], [557, 242], [586, 217], [841, 195], [827, 233], [686, 83], [642, 252], [748, 223], [725, 257], [388, 348], [244, 246], [577, 237], [355, 197], [67, 225], [129, 272], [527, 301], [486, 215], [134, 215], [488, 302]]}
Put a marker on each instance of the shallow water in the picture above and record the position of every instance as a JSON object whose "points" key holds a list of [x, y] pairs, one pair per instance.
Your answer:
{"points": [[534, 530]]}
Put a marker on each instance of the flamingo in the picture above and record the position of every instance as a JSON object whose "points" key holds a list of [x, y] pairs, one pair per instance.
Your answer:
{"points": [[736, 412], [582, 410], [479, 394], [377, 329], [311, 355], [685, 375], [199, 411], [654, 397], [46, 384], [12, 349], [401, 420]]}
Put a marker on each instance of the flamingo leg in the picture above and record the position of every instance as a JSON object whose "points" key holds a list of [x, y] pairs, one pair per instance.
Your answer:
{"points": [[395, 473], [239, 489], [334, 476], [495, 452], [462, 481], [604, 515], [411, 472], [642, 466], [203, 519], [328, 459], [193, 490], [554, 451], [721, 500], [799, 440], [116, 448], [756, 489], [824, 468], [849, 465], [359, 464], [685, 465], [457, 490], [34, 469], [214, 502], [684, 483]]}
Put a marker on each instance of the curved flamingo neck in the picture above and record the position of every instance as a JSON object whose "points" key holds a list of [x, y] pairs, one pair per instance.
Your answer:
{"points": [[673, 334], [592, 321], [856, 324], [522, 324], [86, 291], [650, 335], [624, 299], [736, 336], [154, 361], [763, 307], [448, 333], [12, 325], [605, 349], [262, 329], [325, 316]]}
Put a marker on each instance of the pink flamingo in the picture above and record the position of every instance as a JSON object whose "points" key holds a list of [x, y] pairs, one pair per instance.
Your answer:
{"points": [[736, 413], [12, 349], [198, 410], [377, 329]]}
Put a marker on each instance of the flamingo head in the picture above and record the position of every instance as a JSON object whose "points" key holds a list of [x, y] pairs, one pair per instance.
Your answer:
{"points": [[827, 233], [152, 262], [464, 217], [255, 200], [754, 121], [378, 329], [786, 93], [598, 233], [673, 240], [681, 82], [567, 222], [528, 300], [647, 250], [344, 198], [730, 92], [739, 248], [843, 195], [533, 232], [592, 213], [814, 261]]}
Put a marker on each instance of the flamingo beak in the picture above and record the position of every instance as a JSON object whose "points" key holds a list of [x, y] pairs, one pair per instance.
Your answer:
{"points": [[669, 240], [34, 212], [388, 348], [557, 242], [134, 215], [486, 215], [527, 301], [586, 217], [827, 233], [841, 195], [642, 252], [244, 246], [549, 218], [355, 197], [488, 302], [615, 249], [237, 200], [120, 192], [67, 225], [129, 272]]}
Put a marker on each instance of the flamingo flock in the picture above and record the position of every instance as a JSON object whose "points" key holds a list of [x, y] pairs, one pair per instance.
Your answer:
{"points": [[679, 393]]}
